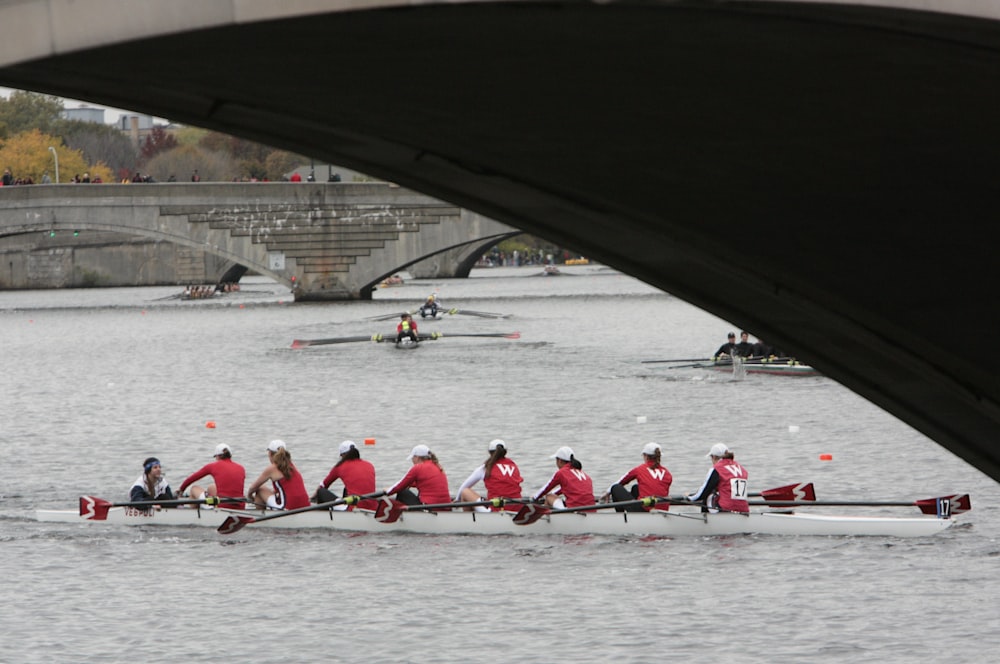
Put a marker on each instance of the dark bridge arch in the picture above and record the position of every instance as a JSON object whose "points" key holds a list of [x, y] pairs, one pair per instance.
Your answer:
{"points": [[823, 174]]}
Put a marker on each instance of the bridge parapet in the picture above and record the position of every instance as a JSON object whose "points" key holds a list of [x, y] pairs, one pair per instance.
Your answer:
{"points": [[325, 241]]}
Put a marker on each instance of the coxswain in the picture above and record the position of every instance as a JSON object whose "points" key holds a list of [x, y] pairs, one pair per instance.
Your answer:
{"points": [[357, 475], [569, 486], [289, 490], [229, 478], [407, 328], [725, 486], [651, 479], [499, 475], [425, 476], [152, 484]]}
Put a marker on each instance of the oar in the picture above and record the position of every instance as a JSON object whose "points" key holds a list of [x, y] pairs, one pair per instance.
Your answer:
{"points": [[96, 509], [481, 314], [532, 512], [302, 343], [943, 506], [390, 510], [788, 492], [236, 522], [389, 316], [686, 359], [439, 335]]}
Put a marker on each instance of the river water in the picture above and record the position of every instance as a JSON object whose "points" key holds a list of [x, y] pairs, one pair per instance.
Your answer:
{"points": [[94, 381]]}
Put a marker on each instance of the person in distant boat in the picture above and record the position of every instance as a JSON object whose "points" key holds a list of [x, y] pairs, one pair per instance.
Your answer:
{"points": [[744, 348], [289, 490], [761, 350], [407, 327], [357, 475], [725, 486], [151, 485], [651, 479], [569, 486], [429, 307], [229, 478], [425, 476], [727, 349], [499, 475]]}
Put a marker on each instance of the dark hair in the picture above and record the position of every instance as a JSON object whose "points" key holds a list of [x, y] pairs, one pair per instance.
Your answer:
{"points": [[148, 464], [497, 454], [226, 454], [282, 460], [656, 457], [349, 455], [573, 462]]}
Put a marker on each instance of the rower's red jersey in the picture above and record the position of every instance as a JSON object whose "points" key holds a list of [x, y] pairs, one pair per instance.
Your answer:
{"points": [[504, 480], [653, 480], [428, 480], [291, 493], [229, 478], [732, 485], [574, 484], [358, 477]]}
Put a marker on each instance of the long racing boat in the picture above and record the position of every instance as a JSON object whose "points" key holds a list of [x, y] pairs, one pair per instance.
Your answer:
{"points": [[685, 521]]}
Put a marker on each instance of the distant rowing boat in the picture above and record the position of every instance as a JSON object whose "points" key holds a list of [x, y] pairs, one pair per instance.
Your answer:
{"points": [[779, 368], [682, 522]]}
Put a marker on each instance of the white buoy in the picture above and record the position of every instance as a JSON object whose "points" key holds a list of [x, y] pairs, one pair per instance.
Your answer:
{"points": [[641, 419], [793, 428]]}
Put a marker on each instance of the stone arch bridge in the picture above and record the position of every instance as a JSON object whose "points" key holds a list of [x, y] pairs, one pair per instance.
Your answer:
{"points": [[329, 241]]}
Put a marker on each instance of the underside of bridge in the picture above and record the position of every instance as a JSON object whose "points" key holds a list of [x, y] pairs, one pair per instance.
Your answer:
{"points": [[824, 175]]}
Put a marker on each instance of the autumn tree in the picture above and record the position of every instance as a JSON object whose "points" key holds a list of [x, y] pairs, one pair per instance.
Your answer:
{"points": [[184, 160], [156, 141], [28, 156]]}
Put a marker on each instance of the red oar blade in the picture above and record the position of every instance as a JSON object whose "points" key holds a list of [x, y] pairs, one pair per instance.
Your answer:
{"points": [[800, 491], [301, 343], [512, 335], [530, 513], [388, 510], [234, 524], [94, 509], [945, 506]]}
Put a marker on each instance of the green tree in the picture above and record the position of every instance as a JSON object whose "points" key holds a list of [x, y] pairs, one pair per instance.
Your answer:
{"points": [[181, 162], [101, 143], [24, 110]]}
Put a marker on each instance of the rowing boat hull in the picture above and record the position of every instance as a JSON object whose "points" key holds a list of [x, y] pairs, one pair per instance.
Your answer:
{"points": [[660, 524], [769, 369]]}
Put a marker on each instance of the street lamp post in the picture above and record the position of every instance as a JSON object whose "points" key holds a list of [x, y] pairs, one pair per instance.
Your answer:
{"points": [[56, 157]]}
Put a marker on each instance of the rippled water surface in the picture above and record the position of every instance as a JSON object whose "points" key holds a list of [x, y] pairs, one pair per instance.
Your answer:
{"points": [[96, 380]]}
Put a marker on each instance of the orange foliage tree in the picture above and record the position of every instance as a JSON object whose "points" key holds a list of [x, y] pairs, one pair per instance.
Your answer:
{"points": [[27, 155]]}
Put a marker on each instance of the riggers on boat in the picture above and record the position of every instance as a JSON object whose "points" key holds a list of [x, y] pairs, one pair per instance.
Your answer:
{"points": [[682, 521]]}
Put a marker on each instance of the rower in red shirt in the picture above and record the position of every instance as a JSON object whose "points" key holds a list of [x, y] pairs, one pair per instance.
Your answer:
{"points": [[357, 475], [229, 478], [499, 474], [651, 477], [426, 477], [569, 486], [725, 487], [289, 490]]}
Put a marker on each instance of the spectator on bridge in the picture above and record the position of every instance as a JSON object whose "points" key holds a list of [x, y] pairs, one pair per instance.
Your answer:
{"points": [[45, 178], [195, 177], [295, 177], [8, 178]]}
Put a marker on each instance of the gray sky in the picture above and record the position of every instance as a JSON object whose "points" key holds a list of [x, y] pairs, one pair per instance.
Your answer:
{"points": [[111, 115]]}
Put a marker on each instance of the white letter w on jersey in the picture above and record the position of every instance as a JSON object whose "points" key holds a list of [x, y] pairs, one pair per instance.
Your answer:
{"points": [[657, 473], [506, 470], [737, 471]]}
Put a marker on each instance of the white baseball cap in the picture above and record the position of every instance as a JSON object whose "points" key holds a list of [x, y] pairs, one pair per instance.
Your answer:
{"points": [[651, 449], [420, 451], [564, 453], [718, 450], [222, 448], [347, 446], [495, 443], [275, 445]]}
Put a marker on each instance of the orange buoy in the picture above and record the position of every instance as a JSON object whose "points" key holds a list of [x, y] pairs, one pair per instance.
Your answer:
{"points": [[369, 441], [210, 424], [826, 457]]}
